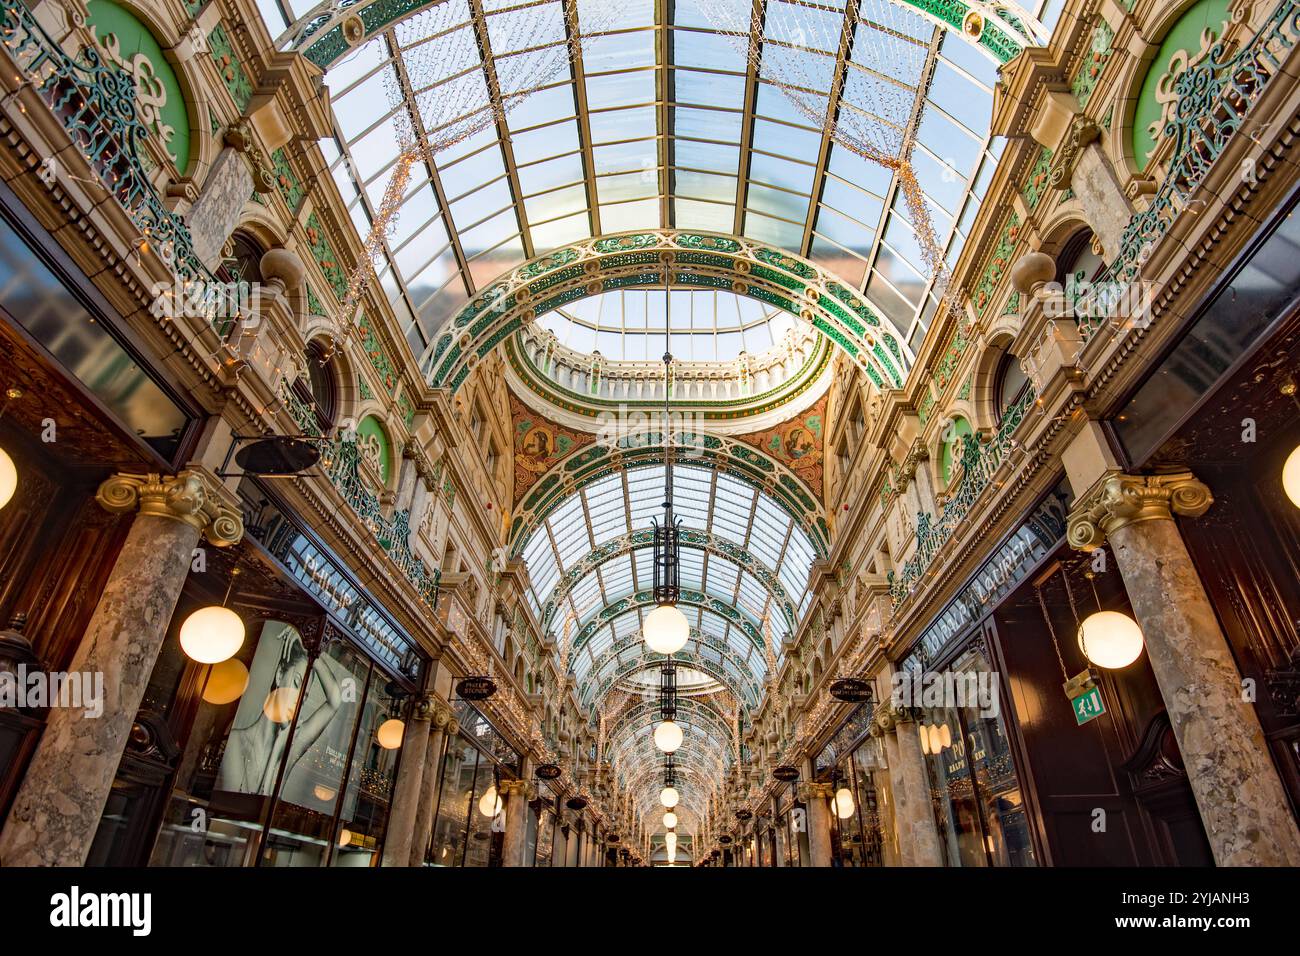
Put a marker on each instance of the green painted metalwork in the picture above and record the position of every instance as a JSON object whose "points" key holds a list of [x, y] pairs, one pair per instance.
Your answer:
{"points": [[612, 262], [979, 462], [322, 41], [96, 103], [1215, 97]]}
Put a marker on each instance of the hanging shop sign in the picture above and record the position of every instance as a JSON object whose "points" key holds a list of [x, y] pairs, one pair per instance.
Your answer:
{"points": [[576, 803], [476, 688], [786, 773], [548, 771], [851, 690], [1085, 697], [743, 815]]}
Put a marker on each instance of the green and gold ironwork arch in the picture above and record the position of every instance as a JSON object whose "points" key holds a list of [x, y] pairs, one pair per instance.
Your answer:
{"points": [[690, 538], [596, 684], [720, 453], [693, 260], [689, 598], [331, 29]]}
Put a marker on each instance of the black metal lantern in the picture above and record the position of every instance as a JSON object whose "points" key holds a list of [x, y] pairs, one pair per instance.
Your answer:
{"points": [[667, 553], [548, 771], [476, 688], [786, 773], [851, 690]]}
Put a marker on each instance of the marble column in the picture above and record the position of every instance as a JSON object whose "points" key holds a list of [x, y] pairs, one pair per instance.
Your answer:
{"points": [[817, 798], [57, 810], [918, 836], [515, 793], [574, 844], [559, 845], [442, 727], [410, 782], [1242, 803]]}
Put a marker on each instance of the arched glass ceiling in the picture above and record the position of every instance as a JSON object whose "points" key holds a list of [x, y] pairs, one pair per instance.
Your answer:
{"points": [[705, 500], [706, 624], [629, 324], [661, 124]]}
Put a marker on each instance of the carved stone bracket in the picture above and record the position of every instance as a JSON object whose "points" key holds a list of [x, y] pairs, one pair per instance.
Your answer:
{"points": [[1119, 500], [1082, 133], [194, 497], [239, 136]]}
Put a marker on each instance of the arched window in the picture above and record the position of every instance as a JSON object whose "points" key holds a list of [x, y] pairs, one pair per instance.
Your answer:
{"points": [[244, 263], [316, 389], [1077, 262], [1009, 384]]}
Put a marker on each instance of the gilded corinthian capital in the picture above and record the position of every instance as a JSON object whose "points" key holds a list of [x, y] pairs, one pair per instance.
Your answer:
{"points": [[1119, 500], [816, 791], [194, 497]]}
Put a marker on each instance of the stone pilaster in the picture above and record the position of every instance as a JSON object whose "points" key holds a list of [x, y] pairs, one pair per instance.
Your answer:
{"points": [[516, 796], [442, 727], [817, 797], [56, 812], [918, 836], [1242, 802], [400, 838]]}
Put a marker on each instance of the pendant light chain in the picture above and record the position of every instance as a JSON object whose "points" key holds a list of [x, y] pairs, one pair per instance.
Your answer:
{"points": [[1047, 618]]}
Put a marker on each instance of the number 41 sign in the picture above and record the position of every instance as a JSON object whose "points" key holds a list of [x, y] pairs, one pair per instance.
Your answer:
{"points": [[1085, 697]]}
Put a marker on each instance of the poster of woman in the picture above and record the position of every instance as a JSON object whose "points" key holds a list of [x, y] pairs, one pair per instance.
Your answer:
{"points": [[257, 741]]}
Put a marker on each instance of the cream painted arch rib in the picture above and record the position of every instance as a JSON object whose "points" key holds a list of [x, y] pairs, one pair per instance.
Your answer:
{"points": [[692, 260]]}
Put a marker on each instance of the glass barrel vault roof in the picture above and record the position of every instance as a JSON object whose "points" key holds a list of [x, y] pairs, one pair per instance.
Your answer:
{"points": [[659, 125]]}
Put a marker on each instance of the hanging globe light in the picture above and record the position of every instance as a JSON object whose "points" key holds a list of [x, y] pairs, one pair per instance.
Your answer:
{"points": [[666, 629], [945, 736], [669, 797], [923, 731], [670, 820], [936, 740], [1290, 477], [212, 634], [668, 736], [345, 837], [227, 682], [490, 803], [1110, 639], [389, 735], [670, 843], [8, 478], [844, 803]]}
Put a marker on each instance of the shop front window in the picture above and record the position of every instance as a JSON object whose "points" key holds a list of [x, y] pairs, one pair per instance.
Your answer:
{"points": [[980, 807], [457, 794], [363, 814], [329, 703], [277, 736]]}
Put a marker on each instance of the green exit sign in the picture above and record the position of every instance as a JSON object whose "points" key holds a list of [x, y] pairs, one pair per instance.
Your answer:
{"points": [[1088, 705]]}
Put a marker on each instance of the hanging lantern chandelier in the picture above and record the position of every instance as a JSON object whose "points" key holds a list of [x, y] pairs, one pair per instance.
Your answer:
{"points": [[666, 628]]}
